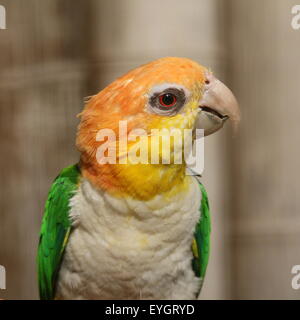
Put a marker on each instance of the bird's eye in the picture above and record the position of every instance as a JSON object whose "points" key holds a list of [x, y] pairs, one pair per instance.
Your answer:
{"points": [[167, 100]]}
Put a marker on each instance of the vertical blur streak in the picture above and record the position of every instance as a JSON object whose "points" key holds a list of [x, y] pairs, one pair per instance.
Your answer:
{"points": [[265, 74], [42, 83]]}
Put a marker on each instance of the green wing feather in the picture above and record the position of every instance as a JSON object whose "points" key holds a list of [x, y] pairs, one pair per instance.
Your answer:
{"points": [[55, 230], [201, 241]]}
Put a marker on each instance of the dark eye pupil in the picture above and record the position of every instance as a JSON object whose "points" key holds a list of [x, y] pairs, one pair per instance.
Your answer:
{"points": [[167, 100]]}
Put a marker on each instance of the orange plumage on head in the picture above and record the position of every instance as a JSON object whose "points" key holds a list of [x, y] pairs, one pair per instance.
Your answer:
{"points": [[126, 99]]}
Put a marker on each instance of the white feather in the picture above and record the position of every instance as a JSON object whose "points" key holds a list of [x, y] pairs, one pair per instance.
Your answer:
{"points": [[130, 249]]}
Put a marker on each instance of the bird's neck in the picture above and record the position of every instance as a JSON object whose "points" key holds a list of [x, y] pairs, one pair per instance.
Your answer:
{"points": [[139, 181]]}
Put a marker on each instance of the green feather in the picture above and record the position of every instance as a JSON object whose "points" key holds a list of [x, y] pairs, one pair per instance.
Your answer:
{"points": [[201, 241], [56, 227]]}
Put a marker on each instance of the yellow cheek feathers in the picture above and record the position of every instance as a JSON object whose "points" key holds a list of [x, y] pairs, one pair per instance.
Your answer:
{"points": [[144, 181]]}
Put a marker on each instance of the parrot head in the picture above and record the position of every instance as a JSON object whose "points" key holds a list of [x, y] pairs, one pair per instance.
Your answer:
{"points": [[169, 93]]}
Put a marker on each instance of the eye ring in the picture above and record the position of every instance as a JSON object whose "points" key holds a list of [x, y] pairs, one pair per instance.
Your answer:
{"points": [[167, 100]]}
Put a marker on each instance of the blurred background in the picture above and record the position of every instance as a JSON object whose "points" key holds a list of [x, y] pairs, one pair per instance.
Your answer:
{"points": [[56, 52]]}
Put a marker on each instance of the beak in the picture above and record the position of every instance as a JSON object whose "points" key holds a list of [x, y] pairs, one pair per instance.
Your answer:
{"points": [[217, 105]]}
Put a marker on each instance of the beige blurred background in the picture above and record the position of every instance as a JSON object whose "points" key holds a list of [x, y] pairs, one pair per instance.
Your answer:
{"points": [[55, 52]]}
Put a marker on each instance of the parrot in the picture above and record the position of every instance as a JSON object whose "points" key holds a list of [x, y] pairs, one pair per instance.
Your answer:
{"points": [[114, 231]]}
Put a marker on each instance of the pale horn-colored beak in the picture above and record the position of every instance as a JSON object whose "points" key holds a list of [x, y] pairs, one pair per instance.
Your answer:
{"points": [[217, 105]]}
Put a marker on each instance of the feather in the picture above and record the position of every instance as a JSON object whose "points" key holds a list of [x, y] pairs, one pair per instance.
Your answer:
{"points": [[201, 241], [56, 227]]}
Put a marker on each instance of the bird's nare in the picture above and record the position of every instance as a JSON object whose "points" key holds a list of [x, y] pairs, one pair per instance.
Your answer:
{"points": [[134, 230]]}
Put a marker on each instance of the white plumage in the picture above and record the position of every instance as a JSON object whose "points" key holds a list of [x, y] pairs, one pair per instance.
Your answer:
{"points": [[121, 248]]}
